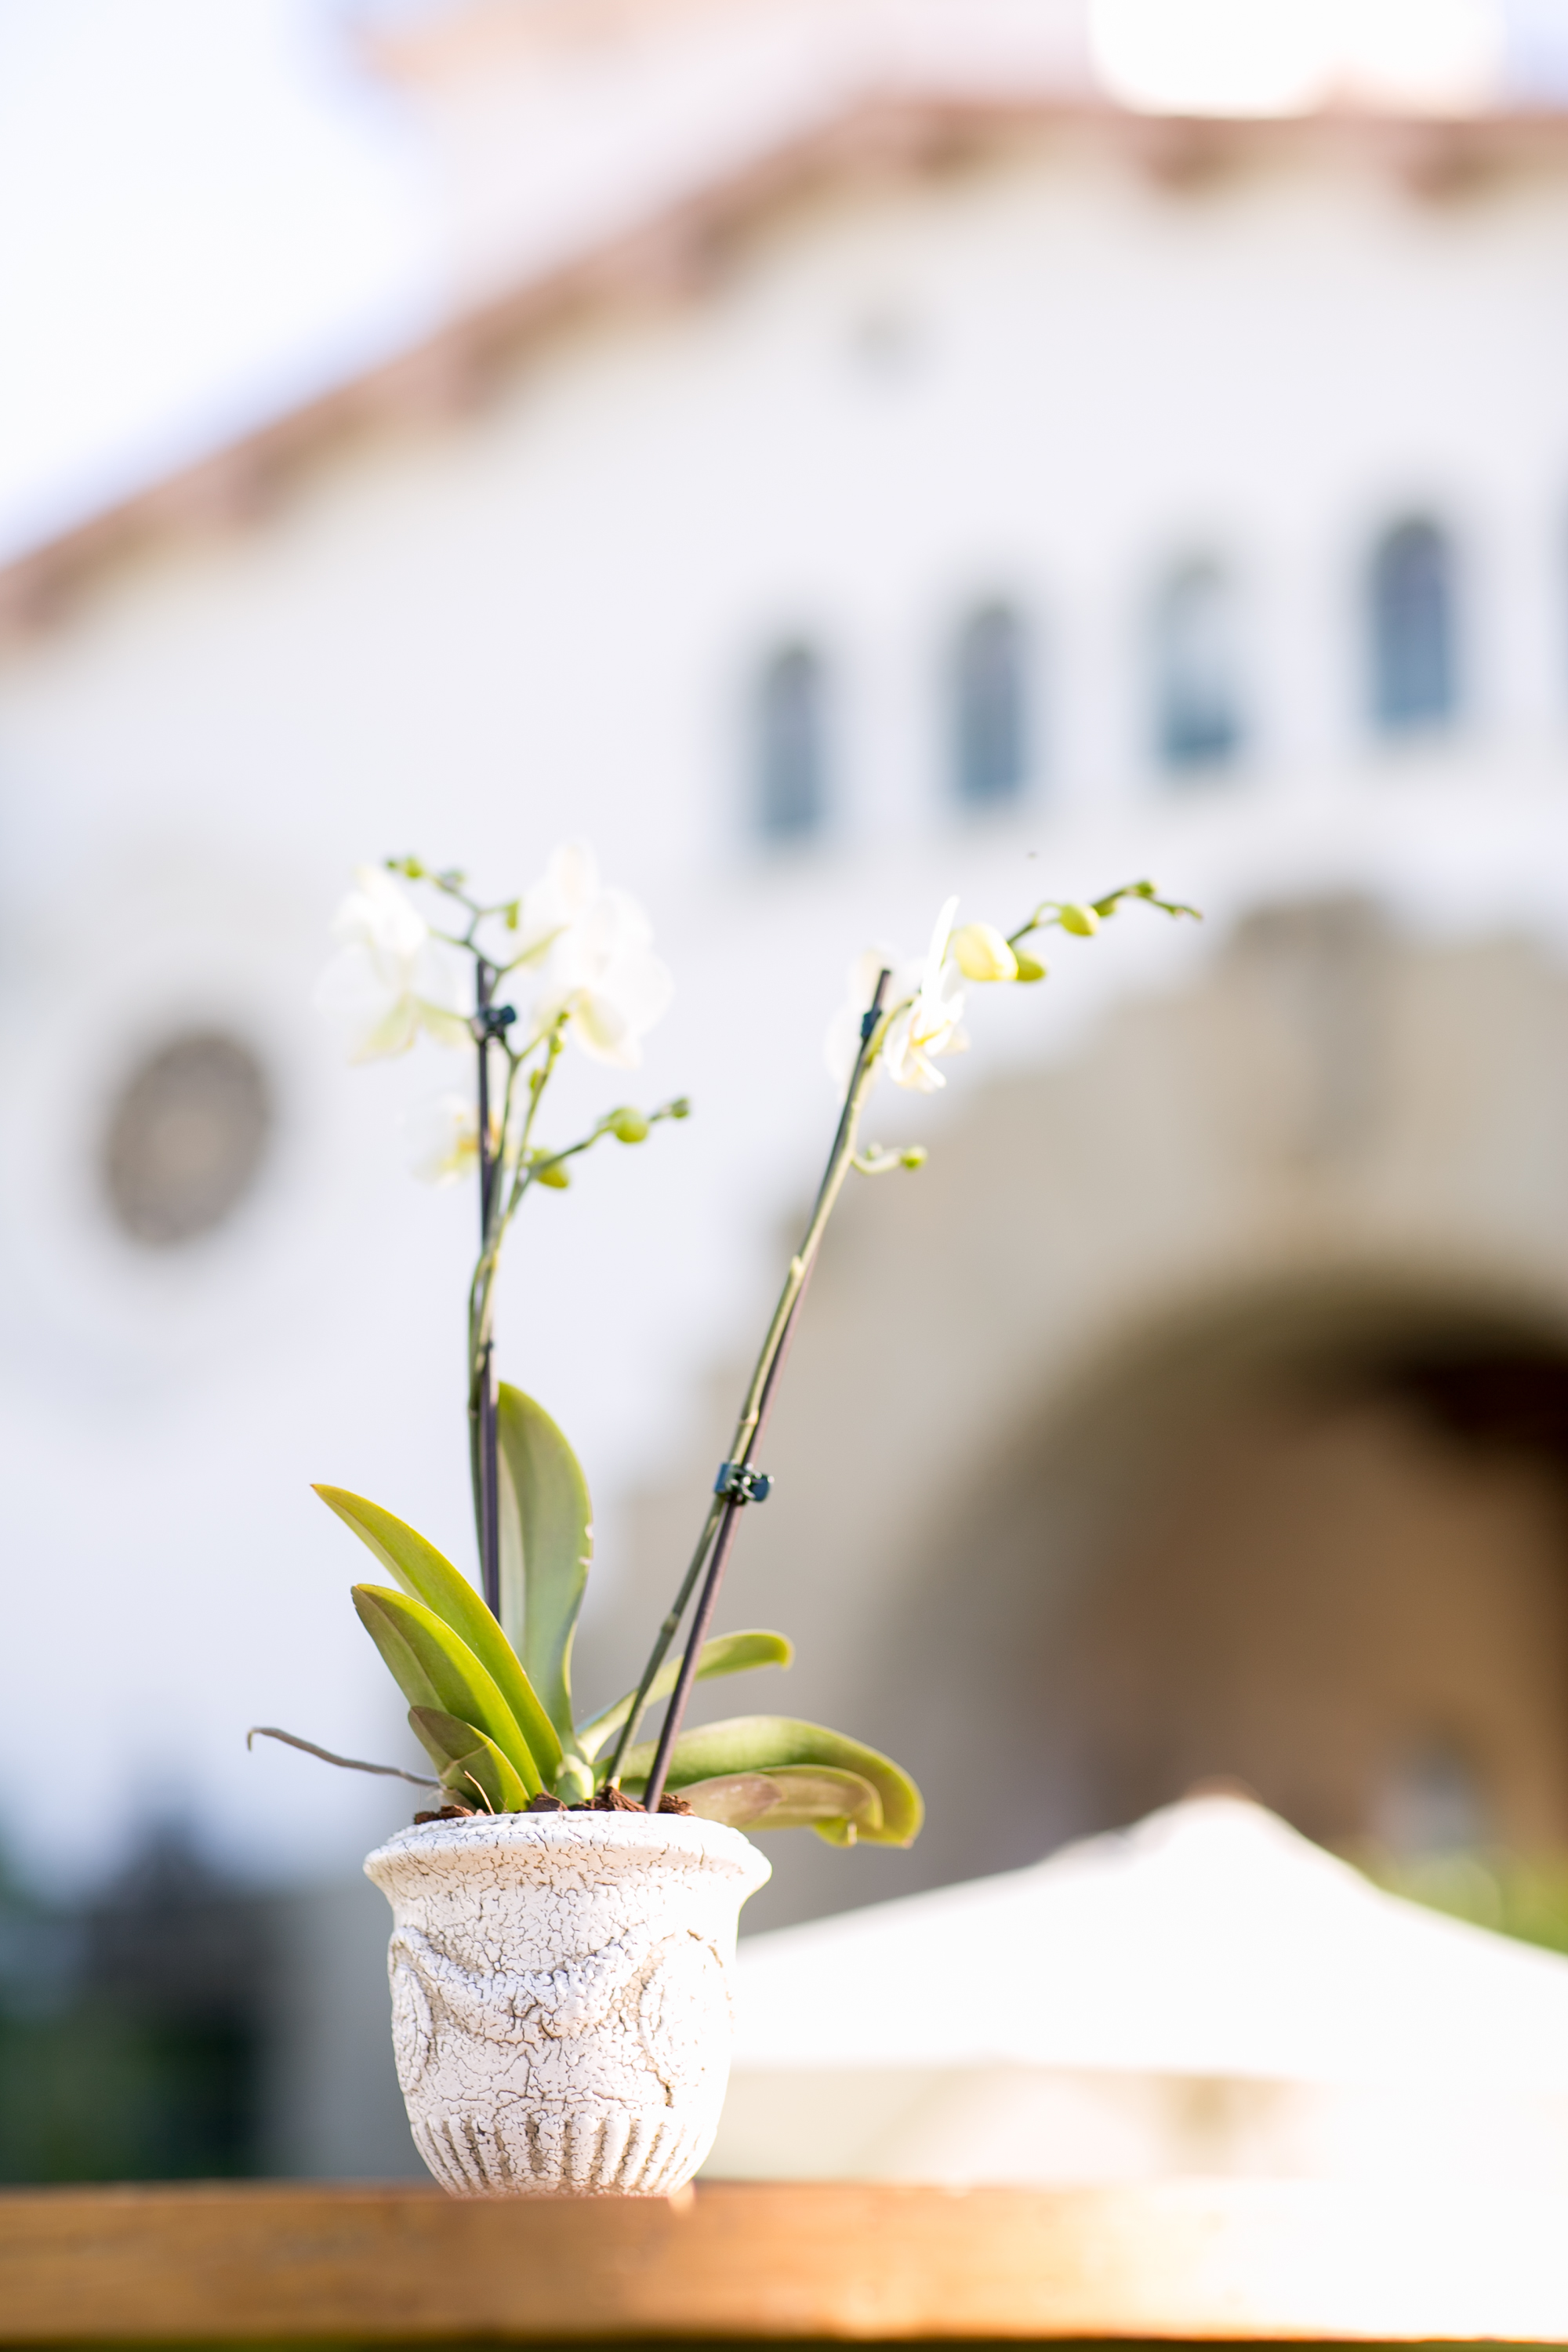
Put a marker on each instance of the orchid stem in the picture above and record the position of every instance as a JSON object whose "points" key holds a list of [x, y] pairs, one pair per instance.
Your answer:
{"points": [[488, 1466], [718, 1529]]}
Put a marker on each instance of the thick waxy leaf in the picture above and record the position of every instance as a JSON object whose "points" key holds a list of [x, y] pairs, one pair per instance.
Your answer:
{"points": [[444, 1674], [727, 1653], [470, 1765], [546, 1548], [400, 1661], [430, 1578], [790, 1797], [760, 1743]]}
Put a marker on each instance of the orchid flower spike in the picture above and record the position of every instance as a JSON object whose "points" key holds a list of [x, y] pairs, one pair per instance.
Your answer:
{"points": [[982, 953], [592, 948], [929, 1026], [841, 1047], [390, 979], [929, 996], [441, 1138]]}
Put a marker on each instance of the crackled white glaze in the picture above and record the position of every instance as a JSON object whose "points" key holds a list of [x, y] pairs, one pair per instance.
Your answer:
{"points": [[560, 2006]]}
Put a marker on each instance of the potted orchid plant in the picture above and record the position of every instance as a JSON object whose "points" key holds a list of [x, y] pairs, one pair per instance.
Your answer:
{"points": [[565, 1905]]}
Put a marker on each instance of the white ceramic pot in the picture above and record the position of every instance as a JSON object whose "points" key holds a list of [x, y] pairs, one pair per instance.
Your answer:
{"points": [[561, 2001]]}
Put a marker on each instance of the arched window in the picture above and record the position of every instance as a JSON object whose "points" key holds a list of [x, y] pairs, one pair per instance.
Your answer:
{"points": [[990, 707], [1414, 681], [791, 722], [1197, 670]]}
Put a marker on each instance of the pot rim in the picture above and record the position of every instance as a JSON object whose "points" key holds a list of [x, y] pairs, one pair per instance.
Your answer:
{"points": [[622, 1841]]}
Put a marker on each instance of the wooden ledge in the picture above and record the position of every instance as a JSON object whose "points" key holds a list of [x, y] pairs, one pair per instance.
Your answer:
{"points": [[1260, 2260]]}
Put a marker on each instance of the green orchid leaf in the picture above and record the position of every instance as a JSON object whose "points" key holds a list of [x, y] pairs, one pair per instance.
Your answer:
{"points": [[443, 1671], [468, 1762], [399, 1659], [546, 1548], [575, 1782], [790, 1797], [761, 1743], [727, 1653], [430, 1578]]}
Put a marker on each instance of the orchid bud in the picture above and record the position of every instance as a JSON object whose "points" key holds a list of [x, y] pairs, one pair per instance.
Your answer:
{"points": [[1027, 968], [680, 1107], [1081, 922], [981, 952], [915, 1156], [555, 1177], [410, 866], [628, 1126]]}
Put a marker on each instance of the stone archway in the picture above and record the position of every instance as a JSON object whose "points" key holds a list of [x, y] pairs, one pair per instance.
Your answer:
{"points": [[1315, 1540], [1319, 1543]]}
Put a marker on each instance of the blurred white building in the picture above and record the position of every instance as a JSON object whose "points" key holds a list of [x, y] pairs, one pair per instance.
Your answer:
{"points": [[864, 461]]}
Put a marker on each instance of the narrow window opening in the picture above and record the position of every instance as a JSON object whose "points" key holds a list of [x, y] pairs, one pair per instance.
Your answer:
{"points": [[1415, 681], [990, 707], [1198, 714], [792, 744]]}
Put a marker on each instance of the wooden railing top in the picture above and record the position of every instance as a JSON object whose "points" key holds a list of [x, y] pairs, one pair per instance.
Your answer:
{"points": [[1256, 2260]]}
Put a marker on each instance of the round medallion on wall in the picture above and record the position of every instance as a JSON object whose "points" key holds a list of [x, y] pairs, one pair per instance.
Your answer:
{"points": [[186, 1139]]}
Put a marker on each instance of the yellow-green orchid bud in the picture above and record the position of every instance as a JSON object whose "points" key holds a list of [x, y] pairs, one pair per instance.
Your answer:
{"points": [[915, 1156], [981, 952], [1082, 921], [556, 1178], [628, 1126], [1027, 968]]}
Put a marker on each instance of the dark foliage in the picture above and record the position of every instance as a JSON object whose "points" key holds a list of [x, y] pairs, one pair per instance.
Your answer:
{"points": [[133, 2026]]}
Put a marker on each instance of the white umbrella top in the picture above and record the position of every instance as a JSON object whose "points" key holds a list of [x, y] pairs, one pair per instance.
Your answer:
{"points": [[1209, 1940]]}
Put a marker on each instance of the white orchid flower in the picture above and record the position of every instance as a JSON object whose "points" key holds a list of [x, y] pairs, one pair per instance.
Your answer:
{"points": [[930, 1025], [442, 1139], [568, 887], [931, 994], [594, 948], [389, 978]]}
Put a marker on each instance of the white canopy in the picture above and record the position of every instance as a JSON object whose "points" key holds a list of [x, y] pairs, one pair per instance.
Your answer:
{"points": [[1209, 1942], [1210, 1939]]}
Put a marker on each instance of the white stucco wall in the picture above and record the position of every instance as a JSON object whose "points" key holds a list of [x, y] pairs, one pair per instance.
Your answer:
{"points": [[541, 623]]}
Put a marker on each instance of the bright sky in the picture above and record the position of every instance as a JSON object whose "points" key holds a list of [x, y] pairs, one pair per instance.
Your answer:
{"points": [[202, 211], [1281, 56], [206, 210]]}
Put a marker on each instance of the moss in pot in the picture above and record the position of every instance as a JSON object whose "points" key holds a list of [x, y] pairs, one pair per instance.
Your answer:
{"points": [[564, 1906]]}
